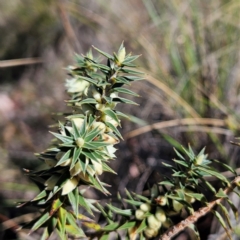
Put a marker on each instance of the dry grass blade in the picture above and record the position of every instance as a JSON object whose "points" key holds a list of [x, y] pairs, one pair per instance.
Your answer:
{"points": [[71, 36], [14, 222], [176, 122], [19, 62], [215, 130], [168, 91]]}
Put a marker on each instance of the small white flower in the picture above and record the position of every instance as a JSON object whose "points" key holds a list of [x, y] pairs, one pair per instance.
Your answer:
{"points": [[77, 85], [111, 150], [78, 122]]}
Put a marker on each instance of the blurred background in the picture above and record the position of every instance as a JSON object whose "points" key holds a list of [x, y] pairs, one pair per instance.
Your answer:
{"points": [[190, 52]]}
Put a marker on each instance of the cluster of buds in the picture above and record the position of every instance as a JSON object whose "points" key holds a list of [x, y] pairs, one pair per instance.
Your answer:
{"points": [[176, 205], [83, 152], [156, 219], [158, 213]]}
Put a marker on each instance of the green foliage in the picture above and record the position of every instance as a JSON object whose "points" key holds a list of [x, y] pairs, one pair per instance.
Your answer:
{"points": [[84, 142], [152, 215], [83, 146]]}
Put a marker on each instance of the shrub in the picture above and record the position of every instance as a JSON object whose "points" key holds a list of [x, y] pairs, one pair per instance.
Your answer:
{"points": [[81, 150]]}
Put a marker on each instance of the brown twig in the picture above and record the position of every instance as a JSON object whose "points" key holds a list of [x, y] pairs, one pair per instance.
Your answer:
{"points": [[198, 214]]}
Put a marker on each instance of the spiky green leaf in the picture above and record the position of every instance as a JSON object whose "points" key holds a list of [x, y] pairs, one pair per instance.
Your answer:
{"points": [[41, 220], [64, 158], [111, 227], [142, 226], [123, 212], [64, 139], [75, 231], [104, 53], [221, 221], [73, 199], [221, 194], [127, 225]]}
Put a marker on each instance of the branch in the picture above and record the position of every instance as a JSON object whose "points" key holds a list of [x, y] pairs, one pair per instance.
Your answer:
{"points": [[198, 214]]}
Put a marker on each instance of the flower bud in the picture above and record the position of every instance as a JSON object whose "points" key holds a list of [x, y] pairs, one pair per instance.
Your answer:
{"points": [[83, 176], [114, 95], [100, 107], [139, 214], [153, 222], [99, 125], [80, 142], [98, 167], [111, 150], [78, 122], [189, 199], [177, 206], [66, 163], [146, 207], [106, 118], [199, 159], [109, 139], [161, 200], [160, 215], [69, 186], [76, 169], [132, 233], [96, 95], [90, 170], [113, 122], [112, 105], [121, 55], [74, 85], [150, 232]]}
